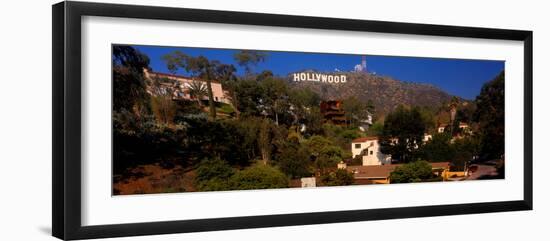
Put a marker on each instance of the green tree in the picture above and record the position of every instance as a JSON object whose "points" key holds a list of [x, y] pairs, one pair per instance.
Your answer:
{"points": [[323, 152], [265, 140], [213, 175], [214, 139], [490, 116], [294, 160], [199, 66], [248, 129], [317, 143], [464, 150], [376, 129], [452, 107], [439, 148], [429, 118], [249, 94], [328, 158], [354, 109], [304, 98], [275, 101], [249, 58], [313, 120], [128, 79], [412, 172], [339, 177], [304, 106], [466, 113], [403, 134], [163, 108], [266, 74], [259, 177]]}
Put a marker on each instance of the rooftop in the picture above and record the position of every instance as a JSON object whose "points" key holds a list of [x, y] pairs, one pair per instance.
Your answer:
{"points": [[383, 171], [363, 139], [167, 75]]}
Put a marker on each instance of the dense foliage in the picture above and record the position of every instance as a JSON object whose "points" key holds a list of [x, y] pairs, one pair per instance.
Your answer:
{"points": [[270, 132], [490, 115], [403, 134], [412, 172], [339, 177]]}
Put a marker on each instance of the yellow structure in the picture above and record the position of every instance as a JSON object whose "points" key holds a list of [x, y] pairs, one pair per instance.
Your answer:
{"points": [[449, 174], [380, 174]]}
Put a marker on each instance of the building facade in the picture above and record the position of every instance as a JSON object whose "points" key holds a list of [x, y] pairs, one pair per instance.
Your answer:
{"points": [[380, 174], [333, 112], [179, 87], [369, 149]]}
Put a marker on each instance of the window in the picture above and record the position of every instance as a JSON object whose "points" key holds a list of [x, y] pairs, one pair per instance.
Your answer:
{"points": [[357, 146], [371, 152]]}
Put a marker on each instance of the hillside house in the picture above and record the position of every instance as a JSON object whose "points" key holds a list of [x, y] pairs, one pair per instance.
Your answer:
{"points": [[380, 174], [462, 125], [333, 112], [441, 128], [369, 149], [179, 87]]}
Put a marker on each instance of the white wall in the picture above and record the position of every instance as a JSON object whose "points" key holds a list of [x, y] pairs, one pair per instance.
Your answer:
{"points": [[25, 120]]}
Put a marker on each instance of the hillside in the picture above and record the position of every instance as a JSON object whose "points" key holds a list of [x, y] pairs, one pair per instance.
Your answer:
{"points": [[385, 92]]}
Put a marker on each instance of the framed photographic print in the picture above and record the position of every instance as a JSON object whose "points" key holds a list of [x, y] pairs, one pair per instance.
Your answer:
{"points": [[169, 120]]}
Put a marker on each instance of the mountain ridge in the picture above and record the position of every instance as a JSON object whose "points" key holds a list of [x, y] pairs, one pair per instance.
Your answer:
{"points": [[386, 93]]}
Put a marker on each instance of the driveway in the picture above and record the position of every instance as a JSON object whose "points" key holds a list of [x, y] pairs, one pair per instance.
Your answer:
{"points": [[483, 172]]}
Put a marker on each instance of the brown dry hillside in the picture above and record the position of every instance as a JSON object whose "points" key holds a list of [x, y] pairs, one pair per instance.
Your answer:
{"points": [[385, 92]]}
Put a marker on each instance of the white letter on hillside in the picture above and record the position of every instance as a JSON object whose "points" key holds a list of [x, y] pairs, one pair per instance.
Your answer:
{"points": [[343, 79], [296, 76], [317, 77]]}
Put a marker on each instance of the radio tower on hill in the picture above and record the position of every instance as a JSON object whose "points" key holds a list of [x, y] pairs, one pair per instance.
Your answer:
{"points": [[364, 63], [361, 67]]}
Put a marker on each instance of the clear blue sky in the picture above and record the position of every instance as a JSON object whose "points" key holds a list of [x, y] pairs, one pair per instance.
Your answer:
{"points": [[459, 77]]}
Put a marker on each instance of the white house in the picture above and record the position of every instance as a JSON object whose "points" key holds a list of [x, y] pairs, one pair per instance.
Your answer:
{"points": [[369, 149], [441, 128], [427, 137]]}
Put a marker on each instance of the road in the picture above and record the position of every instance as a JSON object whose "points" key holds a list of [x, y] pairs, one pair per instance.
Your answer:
{"points": [[483, 171]]}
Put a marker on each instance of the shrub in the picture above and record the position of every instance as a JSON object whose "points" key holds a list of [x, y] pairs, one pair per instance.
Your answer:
{"points": [[259, 177], [213, 175], [294, 161], [338, 178], [226, 109], [412, 172]]}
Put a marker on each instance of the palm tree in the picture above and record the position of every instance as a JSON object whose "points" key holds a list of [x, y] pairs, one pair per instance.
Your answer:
{"points": [[452, 109], [198, 90], [200, 66]]}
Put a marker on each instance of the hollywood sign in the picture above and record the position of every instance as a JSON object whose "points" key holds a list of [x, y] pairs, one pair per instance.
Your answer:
{"points": [[323, 78]]}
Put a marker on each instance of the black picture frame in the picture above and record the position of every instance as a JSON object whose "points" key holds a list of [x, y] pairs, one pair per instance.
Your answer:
{"points": [[66, 197]]}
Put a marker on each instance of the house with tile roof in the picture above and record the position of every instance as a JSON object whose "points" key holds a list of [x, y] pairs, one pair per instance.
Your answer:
{"points": [[380, 174]]}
